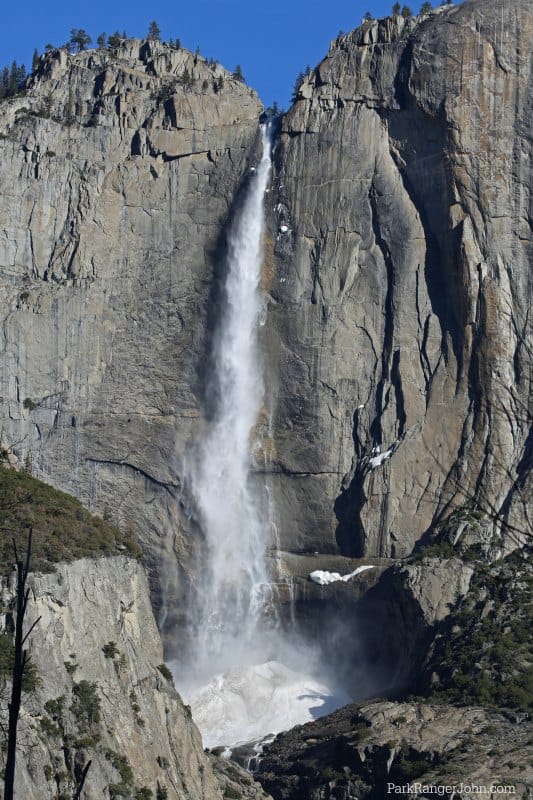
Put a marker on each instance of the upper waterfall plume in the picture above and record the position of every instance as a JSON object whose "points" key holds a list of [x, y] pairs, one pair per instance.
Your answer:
{"points": [[245, 676], [236, 534]]}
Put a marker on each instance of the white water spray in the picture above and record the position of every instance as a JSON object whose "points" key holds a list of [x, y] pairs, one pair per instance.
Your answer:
{"points": [[236, 588], [245, 677]]}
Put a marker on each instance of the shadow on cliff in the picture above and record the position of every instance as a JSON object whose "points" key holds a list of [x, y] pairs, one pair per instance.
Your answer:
{"points": [[371, 646]]}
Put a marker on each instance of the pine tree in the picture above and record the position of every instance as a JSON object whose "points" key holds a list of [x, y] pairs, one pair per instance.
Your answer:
{"points": [[368, 16], [101, 41], [238, 74], [297, 84], [396, 9], [426, 7], [154, 31], [13, 80], [4, 82], [406, 12], [79, 39], [114, 40], [187, 79], [34, 61]]}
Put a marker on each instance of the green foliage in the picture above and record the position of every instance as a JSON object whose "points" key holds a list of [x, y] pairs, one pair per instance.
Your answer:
{"points": [[31, 678], [396, 9], [143, 793], [442, 550], [187, 79], [55, 707], [483, 654], [154, 31], [30, 404], [113, 41], [368, 16], [101, 41], [34, 61], [409, 764], [49, 728], [166, 673], [63, 530], [426, 7], [12, 80], [110, 650], [330, 774], [162, 792], [135, 707], [406, 12], [71, 667], [79, 39], [123, 767], [297, 84], [238, 74], [86, 705]]}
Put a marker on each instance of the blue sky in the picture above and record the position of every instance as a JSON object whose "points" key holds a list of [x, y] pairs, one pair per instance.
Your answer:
{"points": [[272, 41]]}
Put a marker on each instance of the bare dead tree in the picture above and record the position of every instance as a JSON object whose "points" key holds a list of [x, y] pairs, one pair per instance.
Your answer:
{"points": [[21, 661]]}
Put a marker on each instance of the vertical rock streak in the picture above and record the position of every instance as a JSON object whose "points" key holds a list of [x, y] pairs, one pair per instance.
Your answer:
{"points": [[233, 593]]}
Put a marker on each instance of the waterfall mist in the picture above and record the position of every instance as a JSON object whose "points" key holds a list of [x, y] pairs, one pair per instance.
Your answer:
{"points": [[235, 584], [244, 678]]}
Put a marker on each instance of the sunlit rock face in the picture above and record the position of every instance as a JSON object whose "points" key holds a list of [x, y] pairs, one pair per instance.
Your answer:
{"points": [[396, 275], [396, 281], [96, 632], [116, 182], [401, 283]]}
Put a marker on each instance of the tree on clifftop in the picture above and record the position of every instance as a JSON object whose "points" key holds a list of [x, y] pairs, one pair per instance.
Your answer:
{"points": [[154, 31], [114, 40], [396, 9], [238, 74], [79, 39]]}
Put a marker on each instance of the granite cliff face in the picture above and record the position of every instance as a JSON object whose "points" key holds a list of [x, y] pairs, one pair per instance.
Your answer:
{"points": [[360, 751], [397, 332], [400, 323], [396, 270], [116, 177], [104, 695]]}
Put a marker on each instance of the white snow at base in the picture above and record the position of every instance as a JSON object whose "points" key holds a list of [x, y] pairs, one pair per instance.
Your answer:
{"points": [[323, 578], [247, 703]]}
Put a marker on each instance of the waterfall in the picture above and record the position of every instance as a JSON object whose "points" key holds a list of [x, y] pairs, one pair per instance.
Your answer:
{"points": [[235, 588], [245, 677]]}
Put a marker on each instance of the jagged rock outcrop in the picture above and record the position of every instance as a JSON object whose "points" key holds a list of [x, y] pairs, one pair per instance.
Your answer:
{"points": [[359, 750], [399, 332], [118, 171], [104, 693]]}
